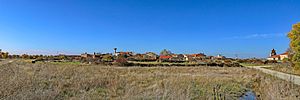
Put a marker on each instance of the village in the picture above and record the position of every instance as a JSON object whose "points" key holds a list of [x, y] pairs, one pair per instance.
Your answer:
{"points": [[165, 58], [149, 50]]}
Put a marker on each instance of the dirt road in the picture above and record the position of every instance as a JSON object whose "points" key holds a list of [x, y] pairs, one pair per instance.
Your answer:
{"points": [[288, 77]]}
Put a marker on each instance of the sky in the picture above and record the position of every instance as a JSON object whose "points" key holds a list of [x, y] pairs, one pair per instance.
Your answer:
{"points": [[247, 28]]}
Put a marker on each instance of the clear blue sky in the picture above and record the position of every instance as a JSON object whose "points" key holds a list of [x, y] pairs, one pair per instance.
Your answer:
{"points": [[249, 28]]}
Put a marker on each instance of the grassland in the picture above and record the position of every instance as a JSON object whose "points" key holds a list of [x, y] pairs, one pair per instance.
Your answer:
{"points": [[47, 81]]}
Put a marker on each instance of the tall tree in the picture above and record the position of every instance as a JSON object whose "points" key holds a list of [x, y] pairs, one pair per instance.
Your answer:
{"points": [[294, 36]]}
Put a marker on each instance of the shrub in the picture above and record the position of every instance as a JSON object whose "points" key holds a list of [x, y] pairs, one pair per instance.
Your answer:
{"points": [[122, 62]]}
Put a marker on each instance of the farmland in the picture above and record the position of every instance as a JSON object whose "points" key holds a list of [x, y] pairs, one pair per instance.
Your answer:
{"points": [[19, 80]]}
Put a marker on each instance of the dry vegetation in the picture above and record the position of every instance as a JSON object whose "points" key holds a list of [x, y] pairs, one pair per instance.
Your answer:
{"points": [[21, 80], [286, 69]]}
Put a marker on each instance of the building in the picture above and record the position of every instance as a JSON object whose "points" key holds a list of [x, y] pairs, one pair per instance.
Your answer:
{"points": [[96, 55], [136, 57], [219, 57], [125, 54], [86, 55], [151, 55], [273, 52], [279, 57], [200, 55], [163, 58], [177, 58], [274, 56]]}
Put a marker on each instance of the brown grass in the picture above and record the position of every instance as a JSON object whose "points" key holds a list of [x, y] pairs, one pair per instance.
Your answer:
{"points": [[285, 69], [20, 80]]}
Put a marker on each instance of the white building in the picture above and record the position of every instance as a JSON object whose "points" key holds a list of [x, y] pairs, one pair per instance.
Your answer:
{"points": [[279, 57]]}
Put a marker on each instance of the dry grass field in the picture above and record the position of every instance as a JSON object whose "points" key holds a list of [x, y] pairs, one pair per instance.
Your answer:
{"points": [[48, 81]]}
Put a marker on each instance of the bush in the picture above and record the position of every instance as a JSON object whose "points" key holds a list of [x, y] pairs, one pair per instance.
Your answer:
{"points": [[122, 62], [270, 62], [297, 65]]}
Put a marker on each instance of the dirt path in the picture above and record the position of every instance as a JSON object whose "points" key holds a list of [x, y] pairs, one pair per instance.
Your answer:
{"points": [[288, 77]]}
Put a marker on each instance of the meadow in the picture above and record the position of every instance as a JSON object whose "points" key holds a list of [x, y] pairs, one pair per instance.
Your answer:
{"points": [[48, 81]]}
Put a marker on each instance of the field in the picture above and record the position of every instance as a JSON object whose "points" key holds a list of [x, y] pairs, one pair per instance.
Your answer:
{"points": [[48, 81]]}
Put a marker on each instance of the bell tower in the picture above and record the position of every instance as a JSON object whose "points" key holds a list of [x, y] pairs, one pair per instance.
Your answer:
{"points": [[273, 52]]}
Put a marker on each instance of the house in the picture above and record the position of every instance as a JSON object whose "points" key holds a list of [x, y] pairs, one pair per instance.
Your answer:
{"points": [[93, 56], [199, 55], [274, 56], [279, 57], [150, 56], [219, 57], [86, 55], [136, 57], [163, 58], [177, 58], [96, 55], [194, 57], [125, 54]]}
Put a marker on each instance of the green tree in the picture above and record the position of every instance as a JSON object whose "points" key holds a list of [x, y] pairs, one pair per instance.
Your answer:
{"points": [[62, 57], [107, 58], [25, 56], [5, 55], [294, 36]]}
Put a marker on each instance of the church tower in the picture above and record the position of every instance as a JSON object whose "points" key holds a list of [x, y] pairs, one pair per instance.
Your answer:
{"points": [[273, 52]]}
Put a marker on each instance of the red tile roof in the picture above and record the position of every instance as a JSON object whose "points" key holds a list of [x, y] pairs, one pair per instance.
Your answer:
{"points": [[278, 56], [165, 57], [198, 55], [286, 53]]}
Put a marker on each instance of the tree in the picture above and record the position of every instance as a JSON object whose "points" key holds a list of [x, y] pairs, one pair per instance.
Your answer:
{"points": [[294, 36], [107, 58], [62, 57], [165, 52], [5, 55], [290, 53], [25, 56]]}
